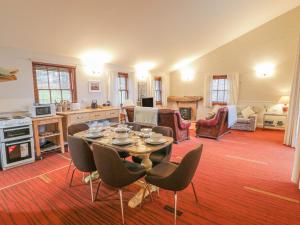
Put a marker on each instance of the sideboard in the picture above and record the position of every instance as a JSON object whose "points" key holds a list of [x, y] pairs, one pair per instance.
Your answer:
{"points": [[87, 115]]}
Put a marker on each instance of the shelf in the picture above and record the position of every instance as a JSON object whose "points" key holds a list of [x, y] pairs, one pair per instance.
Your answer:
{"points": [[50, 135], [50, 148]]}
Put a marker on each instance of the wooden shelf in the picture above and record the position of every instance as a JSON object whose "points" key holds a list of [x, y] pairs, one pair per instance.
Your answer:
{"points": [[50, 135], [51, 148], [52, 124]]}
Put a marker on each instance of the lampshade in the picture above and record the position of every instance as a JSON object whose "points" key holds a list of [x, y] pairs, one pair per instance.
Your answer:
{"points": [[284, 99]]}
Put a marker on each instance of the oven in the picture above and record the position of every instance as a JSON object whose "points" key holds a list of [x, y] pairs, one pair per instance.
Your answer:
{"points": [[18, 152], [15, 133]]}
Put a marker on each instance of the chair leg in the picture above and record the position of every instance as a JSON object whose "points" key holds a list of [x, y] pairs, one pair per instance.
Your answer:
{"points": [[91, 186], [72, 177], [98, 187], [194, 192], [71, 161], [122, 209], [175, 207]]}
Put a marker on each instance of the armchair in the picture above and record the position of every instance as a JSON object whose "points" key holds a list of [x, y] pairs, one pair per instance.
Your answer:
{"points": [[215, 127]]}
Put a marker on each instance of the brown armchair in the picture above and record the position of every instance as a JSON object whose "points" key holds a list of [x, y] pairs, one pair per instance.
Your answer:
{"points": [[215, 127], [168, 118]]}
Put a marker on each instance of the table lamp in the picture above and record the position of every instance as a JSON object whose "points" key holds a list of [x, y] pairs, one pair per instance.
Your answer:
{"points": [[285, 101]]}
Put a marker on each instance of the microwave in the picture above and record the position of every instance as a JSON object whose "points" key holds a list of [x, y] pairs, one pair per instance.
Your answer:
{"points": [[43, 110]]}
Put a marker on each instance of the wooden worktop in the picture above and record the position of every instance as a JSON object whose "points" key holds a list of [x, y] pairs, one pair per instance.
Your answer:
{"points": [[86, 111], [46, 118]]}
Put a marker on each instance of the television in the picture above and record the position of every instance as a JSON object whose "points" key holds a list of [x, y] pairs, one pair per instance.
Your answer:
{"points": [[147, 102]]}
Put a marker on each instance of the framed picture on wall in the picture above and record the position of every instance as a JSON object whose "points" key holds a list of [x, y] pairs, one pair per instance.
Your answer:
{"points": [[94, 86]]}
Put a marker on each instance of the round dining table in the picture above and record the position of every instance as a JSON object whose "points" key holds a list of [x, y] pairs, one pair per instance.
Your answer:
{"points": [[138, 147]]}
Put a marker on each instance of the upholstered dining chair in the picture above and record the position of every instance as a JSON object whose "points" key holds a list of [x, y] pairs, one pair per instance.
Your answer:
{"points": [[82, 157], [115, 172], [73, 129], [162, 155], [175, 177]]}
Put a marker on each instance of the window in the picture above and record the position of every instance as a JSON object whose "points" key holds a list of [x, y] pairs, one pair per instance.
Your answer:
{"points": [[54, 83], [123, 87], [158, 92], [219, 90]]}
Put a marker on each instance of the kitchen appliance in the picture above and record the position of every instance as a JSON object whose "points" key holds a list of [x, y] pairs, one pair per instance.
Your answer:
{"points": [[16, 141], [43, 110]]}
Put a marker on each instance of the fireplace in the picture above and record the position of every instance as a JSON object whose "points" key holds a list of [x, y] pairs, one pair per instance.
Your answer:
{"points": [[186, 112]]}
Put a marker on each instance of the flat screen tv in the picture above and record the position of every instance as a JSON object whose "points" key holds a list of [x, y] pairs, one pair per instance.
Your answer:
{"points": [[147, 102]]}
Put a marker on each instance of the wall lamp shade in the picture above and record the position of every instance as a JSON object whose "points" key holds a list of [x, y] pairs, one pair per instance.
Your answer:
{"points": [[285, 101], [265, 70]]}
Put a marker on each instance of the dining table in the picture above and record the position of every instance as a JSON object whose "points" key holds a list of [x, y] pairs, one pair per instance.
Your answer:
{"points": [[139, 147]]}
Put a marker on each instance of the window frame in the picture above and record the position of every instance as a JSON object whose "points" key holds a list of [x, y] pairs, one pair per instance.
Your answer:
{"points": [[72, 77], [219, 77], [120, 91], [158, 90]]}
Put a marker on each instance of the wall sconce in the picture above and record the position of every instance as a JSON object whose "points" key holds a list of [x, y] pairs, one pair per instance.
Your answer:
{"points": [[265, 70], [187, 74], [94, 61], [142, 70]]}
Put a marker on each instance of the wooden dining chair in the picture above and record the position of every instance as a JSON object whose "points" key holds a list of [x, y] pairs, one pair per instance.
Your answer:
{"points": [[175, 177]]}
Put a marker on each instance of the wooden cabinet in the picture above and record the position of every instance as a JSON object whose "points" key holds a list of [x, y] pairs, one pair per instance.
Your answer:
{"points": [[87, 115], [48, 131]]}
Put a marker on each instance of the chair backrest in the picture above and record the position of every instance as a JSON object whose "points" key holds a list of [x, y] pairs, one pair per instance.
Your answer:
{"points": [[111, 168], [165, 131], [81, 154], [185, 171], [76, 128]]}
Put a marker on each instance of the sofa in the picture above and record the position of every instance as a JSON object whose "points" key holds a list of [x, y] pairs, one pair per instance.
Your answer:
{"points": [[214, 127], [248, 124], [168, 118]]}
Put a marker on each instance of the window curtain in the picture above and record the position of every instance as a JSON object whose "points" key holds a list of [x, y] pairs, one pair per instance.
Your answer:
{"points": [[292, 134], [233, 88], [113, 86], [207, 90]]}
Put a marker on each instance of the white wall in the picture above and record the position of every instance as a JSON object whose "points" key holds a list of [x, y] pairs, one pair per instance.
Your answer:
{"points": [[19, 95], [275, 41]]}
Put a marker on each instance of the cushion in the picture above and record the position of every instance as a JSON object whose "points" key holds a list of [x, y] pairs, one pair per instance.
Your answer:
{"points": [[243, 120], [247, 112], [163, 169], [210, 115]]}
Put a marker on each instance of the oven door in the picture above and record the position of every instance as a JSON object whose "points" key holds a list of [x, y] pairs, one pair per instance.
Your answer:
{"points": [[16, 133], [17, 152]]}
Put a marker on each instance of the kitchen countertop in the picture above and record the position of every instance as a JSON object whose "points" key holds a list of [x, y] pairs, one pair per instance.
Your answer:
{"points": [[86, 110]]}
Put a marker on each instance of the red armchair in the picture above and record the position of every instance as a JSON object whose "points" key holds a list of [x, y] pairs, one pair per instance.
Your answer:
{"points": [[169, 118], [215, 127]]}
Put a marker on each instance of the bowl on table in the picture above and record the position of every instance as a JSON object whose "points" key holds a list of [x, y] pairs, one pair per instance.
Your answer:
{"points": [[145, 132]]}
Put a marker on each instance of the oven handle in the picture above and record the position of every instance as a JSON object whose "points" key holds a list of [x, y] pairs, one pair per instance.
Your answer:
{"points": [[19, 142], [20, 128]]}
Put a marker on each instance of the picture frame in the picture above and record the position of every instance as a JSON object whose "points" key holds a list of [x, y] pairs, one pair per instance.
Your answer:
{"points": [[94, 86]]}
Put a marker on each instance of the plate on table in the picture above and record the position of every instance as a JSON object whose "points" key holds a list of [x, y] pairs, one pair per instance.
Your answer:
{"points": [[123, 142], [152, 142], [142, 135], [94, 135]]}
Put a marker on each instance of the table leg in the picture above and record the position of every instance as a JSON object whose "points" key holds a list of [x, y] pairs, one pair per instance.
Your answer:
{"points": [[137, 198]]}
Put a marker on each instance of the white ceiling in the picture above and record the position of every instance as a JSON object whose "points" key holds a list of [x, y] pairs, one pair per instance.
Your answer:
{"points": [[161, 31]]}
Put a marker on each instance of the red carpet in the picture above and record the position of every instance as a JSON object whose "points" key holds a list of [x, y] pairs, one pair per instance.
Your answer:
{"points": [[242, 179]]}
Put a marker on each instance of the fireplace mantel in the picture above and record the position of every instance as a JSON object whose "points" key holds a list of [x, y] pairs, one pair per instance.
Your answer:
{"points": [[177, 102], [185, 98]]}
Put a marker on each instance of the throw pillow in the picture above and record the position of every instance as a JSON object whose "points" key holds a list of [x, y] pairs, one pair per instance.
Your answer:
{"points": [[210, 115], [247, 112]]}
